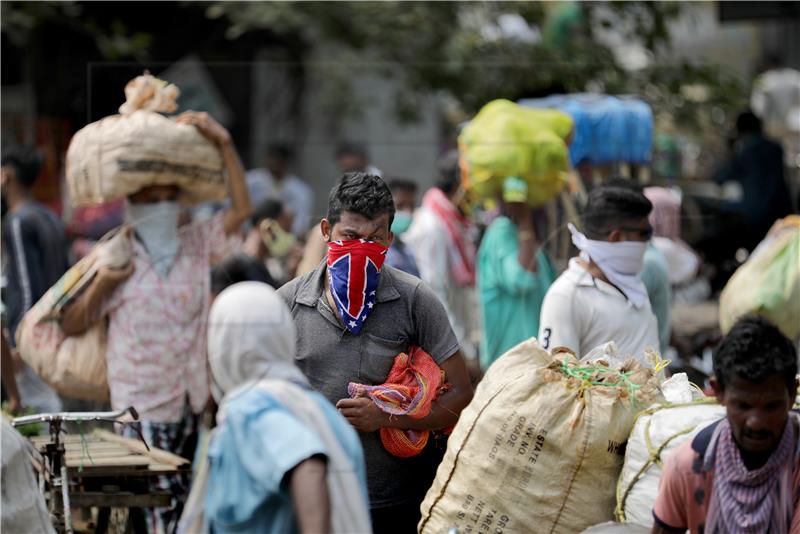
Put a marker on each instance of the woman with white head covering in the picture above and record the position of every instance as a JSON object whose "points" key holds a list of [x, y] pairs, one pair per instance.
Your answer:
{"points": [[282, 458]]}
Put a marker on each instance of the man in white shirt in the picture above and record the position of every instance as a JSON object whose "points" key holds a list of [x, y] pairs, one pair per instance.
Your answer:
{"points": [[274, 181], [600, 297]]}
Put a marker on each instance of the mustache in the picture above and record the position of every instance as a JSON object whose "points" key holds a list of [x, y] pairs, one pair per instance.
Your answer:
{"points": [[756, 434]]}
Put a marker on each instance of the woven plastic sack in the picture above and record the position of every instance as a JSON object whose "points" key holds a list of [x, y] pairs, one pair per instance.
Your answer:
{"points": [[505, 139], [74, 366], [656, 433], [23, 508], [539, 448], [119, 155], [768, 283]]}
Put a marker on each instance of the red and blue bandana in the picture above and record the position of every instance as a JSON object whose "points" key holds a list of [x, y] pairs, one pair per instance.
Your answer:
{"points": [[354, 268]]}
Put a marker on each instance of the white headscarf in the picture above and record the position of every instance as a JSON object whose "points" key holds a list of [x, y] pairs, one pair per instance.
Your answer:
{"points": [[621, 263], [251, 343], [251, 336]]}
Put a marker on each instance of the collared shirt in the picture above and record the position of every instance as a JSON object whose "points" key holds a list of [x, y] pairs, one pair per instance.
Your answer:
{"points": [[684, 491], [292, 191], [581, 312], [157, 327], [407, 313]]}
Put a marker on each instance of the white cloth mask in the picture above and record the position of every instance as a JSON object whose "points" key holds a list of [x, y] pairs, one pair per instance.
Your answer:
{"points": [[156, 224], [621, 262]]}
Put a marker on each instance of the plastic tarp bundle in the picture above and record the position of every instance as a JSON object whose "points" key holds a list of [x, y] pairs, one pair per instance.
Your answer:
{"points": [[768, 283], [540, 447], [607, 128], [119, 155], [657, 432], [505, 139], [23, 508]]}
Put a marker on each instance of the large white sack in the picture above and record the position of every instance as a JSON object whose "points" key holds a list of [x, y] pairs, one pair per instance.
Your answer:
{"points": [[656, 433]]}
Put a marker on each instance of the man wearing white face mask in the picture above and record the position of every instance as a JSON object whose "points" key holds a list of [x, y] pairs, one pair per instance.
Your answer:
{"points": [[157, 309], [600, 297]]}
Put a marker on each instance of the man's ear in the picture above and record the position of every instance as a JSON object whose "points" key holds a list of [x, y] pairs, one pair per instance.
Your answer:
{"points": [[615, 236], [5, 176], [717, 387], [325, 228]]}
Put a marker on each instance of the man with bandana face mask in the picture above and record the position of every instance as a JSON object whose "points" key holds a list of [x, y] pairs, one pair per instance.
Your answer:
{"points": [[354, 314], [600, 297], [156, 309]]}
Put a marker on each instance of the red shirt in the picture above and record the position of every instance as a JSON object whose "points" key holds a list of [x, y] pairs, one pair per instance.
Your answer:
{"points": [[684, 492]]}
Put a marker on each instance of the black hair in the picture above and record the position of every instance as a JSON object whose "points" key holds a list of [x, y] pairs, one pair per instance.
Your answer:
{"points": [[748, 122], [610, 207], [403, 184], [348, 148], [281, 151], [268, 209], [449, 172], [754, 350], [238, 268], [619, 181], [362, 193], [26, 161]]}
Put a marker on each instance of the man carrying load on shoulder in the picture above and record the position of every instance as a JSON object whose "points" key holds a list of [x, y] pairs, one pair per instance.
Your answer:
{"points": [[740, 474], [600, 297], [354, 315], [157, 310]]}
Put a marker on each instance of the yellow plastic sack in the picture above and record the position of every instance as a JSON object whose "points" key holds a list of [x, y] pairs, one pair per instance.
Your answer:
{"points": [[768, 283], [539, 448], [505, 139]]}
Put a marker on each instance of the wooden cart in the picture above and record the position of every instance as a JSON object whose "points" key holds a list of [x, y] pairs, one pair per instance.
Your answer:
{"points": [[110, 472]]}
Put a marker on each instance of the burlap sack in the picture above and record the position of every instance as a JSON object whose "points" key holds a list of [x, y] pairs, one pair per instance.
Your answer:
{"points": [[536, 450], [74, 366], [656, 433], [119, 155]]}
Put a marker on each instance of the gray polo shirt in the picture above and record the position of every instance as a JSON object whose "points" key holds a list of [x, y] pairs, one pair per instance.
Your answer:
{"points": [[407, 313]]}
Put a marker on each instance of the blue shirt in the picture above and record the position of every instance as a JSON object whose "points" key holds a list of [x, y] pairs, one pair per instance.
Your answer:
{"points": [[656, 279], [251, 453]]}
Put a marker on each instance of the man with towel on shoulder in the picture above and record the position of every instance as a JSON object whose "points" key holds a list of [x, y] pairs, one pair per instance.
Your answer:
{"points": [[740, 474]]}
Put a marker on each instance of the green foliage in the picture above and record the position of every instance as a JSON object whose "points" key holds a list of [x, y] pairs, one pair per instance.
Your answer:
{"points": [[26, 430], [459, 48], [463, 51]]}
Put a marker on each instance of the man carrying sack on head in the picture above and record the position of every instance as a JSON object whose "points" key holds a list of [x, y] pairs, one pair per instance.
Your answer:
{"points": [[157, 308]]}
